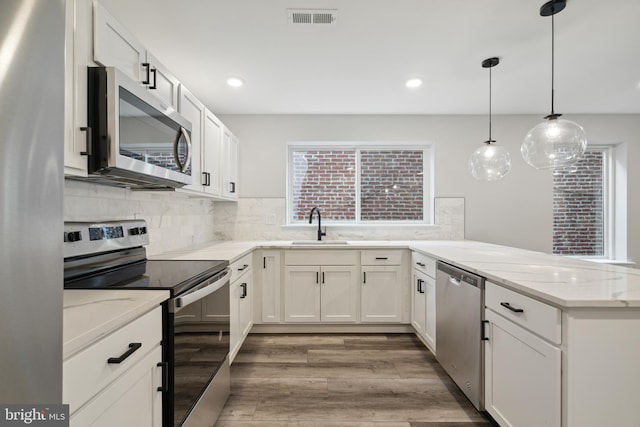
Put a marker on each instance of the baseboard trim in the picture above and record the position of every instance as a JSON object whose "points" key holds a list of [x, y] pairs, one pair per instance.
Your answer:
{"points": [[287, 328]]}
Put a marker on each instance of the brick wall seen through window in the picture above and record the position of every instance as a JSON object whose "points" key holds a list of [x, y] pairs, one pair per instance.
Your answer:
{"points": [[391, 184], [579, 206], [326, 179]]}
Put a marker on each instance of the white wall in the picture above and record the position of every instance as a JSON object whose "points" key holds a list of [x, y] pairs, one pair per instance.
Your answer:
{"points": [[516, 211]]}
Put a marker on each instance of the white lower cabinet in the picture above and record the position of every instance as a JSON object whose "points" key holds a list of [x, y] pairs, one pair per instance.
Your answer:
{"points": [[419, 303], [430, 325], [423, 299], [241, 315], [240, 303], [268, 277], [132, 400], [381, 298], [522, 369], [321, 294], [116, 380]]}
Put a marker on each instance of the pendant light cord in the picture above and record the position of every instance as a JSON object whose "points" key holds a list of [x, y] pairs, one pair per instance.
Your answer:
{"points": [[490, 105], [552, 63]]}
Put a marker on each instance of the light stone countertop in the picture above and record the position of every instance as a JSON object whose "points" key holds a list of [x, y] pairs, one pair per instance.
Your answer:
{"points": [[90, 314], [561, 281]]}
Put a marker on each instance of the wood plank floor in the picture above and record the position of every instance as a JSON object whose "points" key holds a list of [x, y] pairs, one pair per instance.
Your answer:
{"points": [[342, 380]]}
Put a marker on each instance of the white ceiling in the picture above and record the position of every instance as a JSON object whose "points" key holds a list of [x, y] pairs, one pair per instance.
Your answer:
{"points": [[360, 65]]}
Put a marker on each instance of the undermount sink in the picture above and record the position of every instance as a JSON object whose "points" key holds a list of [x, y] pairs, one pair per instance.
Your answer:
{"points": [[319, 242]]}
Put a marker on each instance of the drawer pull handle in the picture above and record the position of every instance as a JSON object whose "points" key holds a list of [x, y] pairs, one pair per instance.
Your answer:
{"points": [[243, 267], [165, 376], [508, 306], [381, 258], [421, 264], [132, 349]]}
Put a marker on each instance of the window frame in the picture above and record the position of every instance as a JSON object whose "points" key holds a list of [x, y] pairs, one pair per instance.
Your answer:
{"points": [[614, 203], [427, 181]]}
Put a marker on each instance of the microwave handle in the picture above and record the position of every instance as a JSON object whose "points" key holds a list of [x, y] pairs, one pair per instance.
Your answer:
{"points": [[183, 166]]}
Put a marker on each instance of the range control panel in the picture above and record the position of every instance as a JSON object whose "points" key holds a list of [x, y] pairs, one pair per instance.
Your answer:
{"points": [[81, 238]]}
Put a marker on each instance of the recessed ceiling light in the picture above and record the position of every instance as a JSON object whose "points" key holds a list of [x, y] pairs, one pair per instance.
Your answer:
{"points": [[235, 82], [413, 83]]}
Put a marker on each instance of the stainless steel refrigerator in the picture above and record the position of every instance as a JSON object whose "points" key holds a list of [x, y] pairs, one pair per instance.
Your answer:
{"points": [[31, 199]]}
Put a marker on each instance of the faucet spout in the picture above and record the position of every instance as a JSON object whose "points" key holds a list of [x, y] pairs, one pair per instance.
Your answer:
{"points": [[320, 232]]}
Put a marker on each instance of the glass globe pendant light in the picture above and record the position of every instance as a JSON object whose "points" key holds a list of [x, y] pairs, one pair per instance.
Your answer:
{"points": [[555, 142], [490, 162]]}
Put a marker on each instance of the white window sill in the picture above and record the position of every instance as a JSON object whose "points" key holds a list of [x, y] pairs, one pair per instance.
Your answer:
{"points": [[622, 263], [359, 226]]}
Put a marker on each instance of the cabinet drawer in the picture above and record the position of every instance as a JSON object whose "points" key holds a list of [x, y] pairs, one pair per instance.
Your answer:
{"points": [[536, 316], [88, 372], [320, 257], [241, 266], [424, 263], [381, 257]]}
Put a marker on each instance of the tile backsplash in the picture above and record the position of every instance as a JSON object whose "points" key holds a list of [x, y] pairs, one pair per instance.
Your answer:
{"points": [[174, 220], [263, 219]]}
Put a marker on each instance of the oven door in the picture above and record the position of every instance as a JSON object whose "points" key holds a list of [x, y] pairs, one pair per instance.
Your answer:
{"points": [[199, 370]]}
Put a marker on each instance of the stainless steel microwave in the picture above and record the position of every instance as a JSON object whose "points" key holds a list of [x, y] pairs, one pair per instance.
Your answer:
{"points": [[133, 140]]}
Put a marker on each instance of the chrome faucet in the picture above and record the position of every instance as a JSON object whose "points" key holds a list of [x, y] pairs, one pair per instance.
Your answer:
{"points": [[320, 232]]}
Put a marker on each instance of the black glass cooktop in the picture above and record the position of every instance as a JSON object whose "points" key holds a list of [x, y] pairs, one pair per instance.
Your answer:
{"points": [[174, 275]]}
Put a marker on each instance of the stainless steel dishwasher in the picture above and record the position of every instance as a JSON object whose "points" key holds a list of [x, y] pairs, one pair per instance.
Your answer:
{"points": [[459, 335]]}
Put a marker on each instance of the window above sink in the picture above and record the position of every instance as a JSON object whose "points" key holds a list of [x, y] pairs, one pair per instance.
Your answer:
{"points": [[360, 183]]}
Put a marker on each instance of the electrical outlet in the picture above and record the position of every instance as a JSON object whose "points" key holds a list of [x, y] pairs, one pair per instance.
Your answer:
{"points": [[270, 219]]}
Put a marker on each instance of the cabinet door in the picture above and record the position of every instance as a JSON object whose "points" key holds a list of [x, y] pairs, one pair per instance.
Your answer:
{"points": [[429, 288], [133, 400], [381, 299], [245, 310], [78, 49], [114, 45], [339, 294], [522, 376], [211, 151], [418, 303], [230, 165], [162, 83], [301, 294], [270, 284], [234, 319], [193, 110]]}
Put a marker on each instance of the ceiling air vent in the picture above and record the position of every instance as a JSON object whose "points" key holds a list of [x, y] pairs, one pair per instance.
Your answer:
{"points": [[312, 16]]}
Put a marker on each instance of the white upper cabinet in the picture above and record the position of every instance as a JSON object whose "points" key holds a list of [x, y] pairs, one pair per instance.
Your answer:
{"points": [[78, 41], [211, 154], [161, 82], [94, 37], [230, 147], [114, 45]]}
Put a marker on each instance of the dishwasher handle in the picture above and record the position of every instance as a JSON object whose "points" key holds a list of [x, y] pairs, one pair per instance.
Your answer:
{"points": [[458, 276], [454, 281]]}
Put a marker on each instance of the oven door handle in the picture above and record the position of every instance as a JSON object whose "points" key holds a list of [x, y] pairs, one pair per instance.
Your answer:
{"points": [[200, 292]]}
